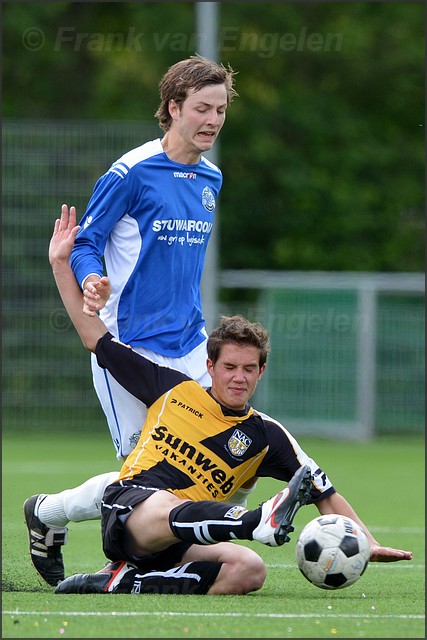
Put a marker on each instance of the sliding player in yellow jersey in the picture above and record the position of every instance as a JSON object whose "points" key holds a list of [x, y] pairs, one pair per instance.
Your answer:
{"points": [[165, 525]]}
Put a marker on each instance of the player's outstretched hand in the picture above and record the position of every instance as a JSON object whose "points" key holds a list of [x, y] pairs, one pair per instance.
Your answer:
{"points": [[388, 554], [95, 295], [64, 234]]}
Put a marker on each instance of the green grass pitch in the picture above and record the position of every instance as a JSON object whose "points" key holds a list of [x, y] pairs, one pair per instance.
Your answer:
{"points": [[383, 480]]}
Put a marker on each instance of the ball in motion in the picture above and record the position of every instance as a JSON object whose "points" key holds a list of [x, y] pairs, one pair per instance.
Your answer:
{"points": [[332, 551]]}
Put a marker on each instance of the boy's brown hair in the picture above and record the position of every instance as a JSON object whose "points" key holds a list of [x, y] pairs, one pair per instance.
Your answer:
{"points": [[238, 330], [195, 73]]}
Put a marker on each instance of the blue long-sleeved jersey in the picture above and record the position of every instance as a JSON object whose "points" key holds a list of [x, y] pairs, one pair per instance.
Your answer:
{"points": [[151, 220]]}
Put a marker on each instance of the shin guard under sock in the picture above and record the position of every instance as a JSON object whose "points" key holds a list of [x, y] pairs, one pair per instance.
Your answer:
{"points": [[208, 522]]}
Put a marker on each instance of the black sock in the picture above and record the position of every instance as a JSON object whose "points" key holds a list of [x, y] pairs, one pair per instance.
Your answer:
{"points": [[207, 522], [189, 578]]}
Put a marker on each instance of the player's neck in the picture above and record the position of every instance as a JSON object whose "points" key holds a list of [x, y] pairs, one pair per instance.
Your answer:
{"points": [[179, 152]]}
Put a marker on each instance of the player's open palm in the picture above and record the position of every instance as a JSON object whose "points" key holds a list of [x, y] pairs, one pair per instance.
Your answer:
{"points": [[64, 234], [388, 554]]}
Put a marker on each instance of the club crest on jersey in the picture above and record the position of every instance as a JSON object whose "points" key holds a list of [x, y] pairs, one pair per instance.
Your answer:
{"points": [[239, 443], [208, 200]]}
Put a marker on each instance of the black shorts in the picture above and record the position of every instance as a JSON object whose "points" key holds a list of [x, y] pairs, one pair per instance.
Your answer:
{"points": [[117, 503]]}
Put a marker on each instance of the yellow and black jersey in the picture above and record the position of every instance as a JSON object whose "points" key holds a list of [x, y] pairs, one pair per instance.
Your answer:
{"points": [[193, 445]]}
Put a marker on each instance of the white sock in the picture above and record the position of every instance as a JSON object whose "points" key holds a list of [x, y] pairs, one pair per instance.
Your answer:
{"points": [[78, 504], [240, 497]]}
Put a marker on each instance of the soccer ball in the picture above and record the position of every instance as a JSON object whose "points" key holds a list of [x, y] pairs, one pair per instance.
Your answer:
{"points": [[332, 551]]}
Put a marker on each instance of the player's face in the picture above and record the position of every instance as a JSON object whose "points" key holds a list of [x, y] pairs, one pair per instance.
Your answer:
{"points": [[197, 122], [235, 374]]}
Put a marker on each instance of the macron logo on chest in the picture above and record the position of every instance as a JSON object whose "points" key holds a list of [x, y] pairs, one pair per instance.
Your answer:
{"points": [[190, 175]]}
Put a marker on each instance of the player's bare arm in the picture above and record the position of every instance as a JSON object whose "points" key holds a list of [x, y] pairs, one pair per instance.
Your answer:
{"points": [[338, 504], [90, 329]]}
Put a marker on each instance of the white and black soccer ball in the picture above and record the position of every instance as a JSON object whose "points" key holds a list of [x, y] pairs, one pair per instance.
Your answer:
{"points": [[332, 551]]}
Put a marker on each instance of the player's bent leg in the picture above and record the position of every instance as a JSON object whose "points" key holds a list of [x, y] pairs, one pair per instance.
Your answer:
{"points": [[123, 577], [242, 570], [222, 569]]}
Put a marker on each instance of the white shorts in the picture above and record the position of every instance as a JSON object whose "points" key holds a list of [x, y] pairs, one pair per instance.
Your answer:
{"points": [[126, 414]]}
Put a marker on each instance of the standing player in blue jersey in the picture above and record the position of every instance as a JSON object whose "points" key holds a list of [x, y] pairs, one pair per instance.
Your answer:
{"points": [[149, 219]]}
